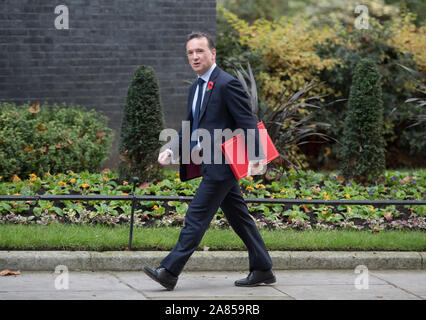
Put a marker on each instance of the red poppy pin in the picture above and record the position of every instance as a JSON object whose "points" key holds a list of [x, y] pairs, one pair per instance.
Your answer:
{"points": [[210, 85]]}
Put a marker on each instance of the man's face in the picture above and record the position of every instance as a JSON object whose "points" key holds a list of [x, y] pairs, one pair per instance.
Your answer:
{"points": [[200, 57]]}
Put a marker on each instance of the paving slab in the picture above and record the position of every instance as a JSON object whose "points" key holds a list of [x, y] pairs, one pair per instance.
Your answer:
{"points": [[41, 285], [321, 277], [343, 284], [411, 280], [346, 292]]}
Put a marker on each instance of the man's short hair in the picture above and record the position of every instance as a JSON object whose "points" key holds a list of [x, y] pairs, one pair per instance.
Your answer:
{"points": [[197, 35]]}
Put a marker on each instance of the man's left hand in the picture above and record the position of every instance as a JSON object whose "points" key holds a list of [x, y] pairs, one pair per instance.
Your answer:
{"points": [[256, 168]]}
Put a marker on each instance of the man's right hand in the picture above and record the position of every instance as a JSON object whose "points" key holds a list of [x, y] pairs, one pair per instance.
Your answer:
{"points": [[165, 157]]}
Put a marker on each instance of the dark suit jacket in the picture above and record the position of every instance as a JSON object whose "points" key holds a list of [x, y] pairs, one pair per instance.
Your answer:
{"points": [[225, 106]]}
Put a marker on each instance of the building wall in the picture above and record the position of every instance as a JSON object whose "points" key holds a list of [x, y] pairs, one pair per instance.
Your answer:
{"points": [[92, 63]]}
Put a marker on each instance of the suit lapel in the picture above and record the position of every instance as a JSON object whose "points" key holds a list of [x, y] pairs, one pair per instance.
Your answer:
{"points": [[190, 100], [208, 93]]}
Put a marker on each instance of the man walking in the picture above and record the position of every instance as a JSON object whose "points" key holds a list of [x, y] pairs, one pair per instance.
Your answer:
{"points": [[216, 101]]}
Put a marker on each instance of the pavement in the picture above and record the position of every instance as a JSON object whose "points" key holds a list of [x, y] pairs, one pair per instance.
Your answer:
{"points": [[210, 275], [216, 285]]}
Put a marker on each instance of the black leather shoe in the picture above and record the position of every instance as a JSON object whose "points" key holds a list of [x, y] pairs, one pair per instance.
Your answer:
{"points": [[256, 278], [162, 276]]}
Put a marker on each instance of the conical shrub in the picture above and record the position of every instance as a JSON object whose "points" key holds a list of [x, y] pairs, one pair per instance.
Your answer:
{"points": [[363, 150], [142, 123]]}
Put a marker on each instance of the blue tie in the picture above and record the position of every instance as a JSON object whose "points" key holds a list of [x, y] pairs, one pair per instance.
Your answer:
{"points": [[196, 114]]}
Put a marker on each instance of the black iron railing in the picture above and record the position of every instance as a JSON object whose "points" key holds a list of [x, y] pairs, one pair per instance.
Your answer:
{"points": [[137, 198]]}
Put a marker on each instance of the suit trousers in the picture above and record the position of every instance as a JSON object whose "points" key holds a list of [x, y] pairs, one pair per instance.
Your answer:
{"points": [[210, 195]]}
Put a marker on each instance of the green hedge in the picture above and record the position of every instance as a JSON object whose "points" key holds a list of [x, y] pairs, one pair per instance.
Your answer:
{"points": [[37, 139]]}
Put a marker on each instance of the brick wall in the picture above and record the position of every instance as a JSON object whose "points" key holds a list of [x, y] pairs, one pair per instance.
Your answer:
{"points": [[92, 63]]}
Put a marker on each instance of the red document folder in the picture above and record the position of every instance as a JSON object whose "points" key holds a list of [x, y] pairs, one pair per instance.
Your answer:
{"points": [[235, 151]]}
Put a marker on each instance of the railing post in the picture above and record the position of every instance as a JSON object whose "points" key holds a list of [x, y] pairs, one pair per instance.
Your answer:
{"points": [[135, 180]]}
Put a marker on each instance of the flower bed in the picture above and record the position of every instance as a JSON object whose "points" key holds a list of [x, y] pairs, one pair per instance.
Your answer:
{"points": [[291, 184]]}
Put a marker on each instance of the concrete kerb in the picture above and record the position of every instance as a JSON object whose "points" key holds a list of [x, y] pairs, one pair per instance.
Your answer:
{"points": [[208, 260]]}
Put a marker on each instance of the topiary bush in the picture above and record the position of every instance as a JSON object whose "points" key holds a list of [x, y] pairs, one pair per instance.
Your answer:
{"points": [[389, 44], [363, 145], [37, 139], [141, 126]]}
